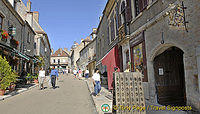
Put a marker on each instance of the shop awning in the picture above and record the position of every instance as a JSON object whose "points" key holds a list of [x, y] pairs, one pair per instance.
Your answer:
{"points": [[21, 55], [111, 61]]}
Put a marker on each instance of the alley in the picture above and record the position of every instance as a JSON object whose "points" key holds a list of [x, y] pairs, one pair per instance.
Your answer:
{"points": [[72, 97]]}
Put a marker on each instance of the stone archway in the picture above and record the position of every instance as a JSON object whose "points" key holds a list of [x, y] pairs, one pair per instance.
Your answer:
{"points": [[169, 76]]}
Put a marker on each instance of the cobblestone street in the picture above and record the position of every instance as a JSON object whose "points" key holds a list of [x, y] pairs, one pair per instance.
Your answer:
{"points": [[72, 97]]}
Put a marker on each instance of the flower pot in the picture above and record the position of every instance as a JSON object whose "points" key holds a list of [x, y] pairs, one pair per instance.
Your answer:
{"points": [[12, 87], [2, 92], [35, 81]]}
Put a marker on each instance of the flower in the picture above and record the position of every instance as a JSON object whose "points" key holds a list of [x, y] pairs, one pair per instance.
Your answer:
{"points": [[17, 42], [4, 34]]}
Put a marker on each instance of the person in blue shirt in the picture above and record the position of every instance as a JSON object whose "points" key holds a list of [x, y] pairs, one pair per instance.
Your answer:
{"points": [[53, 76]]}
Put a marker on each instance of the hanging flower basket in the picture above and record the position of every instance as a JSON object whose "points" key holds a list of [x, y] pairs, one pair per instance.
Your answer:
{"points": [[17, 43], [4, 35]]}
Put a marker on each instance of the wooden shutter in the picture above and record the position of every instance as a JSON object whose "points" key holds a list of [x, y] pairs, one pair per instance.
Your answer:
{"points": [[108, 34], [128, 11], [118, 15], [112, 29], [137, 9], [140, 4]]}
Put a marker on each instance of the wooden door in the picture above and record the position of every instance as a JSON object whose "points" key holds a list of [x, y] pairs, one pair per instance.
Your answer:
{"points": [[169, 77]]}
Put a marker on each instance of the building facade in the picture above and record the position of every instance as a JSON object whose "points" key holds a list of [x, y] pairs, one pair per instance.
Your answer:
{"points": [[42, 47], [158, 38], [88, 55], [75, 55], [13, 45], [60, 60]]}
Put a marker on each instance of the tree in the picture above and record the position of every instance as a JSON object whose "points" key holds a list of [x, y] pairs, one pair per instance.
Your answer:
{"points": [[7, 76]]}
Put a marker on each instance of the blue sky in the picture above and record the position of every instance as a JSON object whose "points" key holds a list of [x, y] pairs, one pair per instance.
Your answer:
{"points": [[66, 21]]}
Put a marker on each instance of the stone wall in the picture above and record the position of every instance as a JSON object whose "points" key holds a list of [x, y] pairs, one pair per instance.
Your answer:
{"points": [[186, 41]]}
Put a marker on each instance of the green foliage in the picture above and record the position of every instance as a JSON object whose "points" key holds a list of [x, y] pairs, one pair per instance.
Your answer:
{"points": [[6, 75], [41, 63], [35, 77], [29, 77]]}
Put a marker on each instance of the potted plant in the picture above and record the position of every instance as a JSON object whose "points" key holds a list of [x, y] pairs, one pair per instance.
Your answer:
{"points": [[35, 79], [29, 78], [7, 76], [4, 35], [12, 87]]}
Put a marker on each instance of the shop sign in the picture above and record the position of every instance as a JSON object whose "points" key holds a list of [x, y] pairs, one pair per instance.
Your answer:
{"points": [[176, 18]]}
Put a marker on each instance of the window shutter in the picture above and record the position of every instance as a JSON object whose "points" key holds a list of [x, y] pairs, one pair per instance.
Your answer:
{"points": [[108, 35], [128, 11], [112, 29], [145, 3], [137, 10], [140, 4], [118, 16]]}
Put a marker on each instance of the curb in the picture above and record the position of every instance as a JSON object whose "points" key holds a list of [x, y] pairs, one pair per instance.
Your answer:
{"points": [[14, 93], [91, 97]]}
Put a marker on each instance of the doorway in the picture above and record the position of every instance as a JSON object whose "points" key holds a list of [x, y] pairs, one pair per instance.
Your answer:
{"points": [[169, 77]]}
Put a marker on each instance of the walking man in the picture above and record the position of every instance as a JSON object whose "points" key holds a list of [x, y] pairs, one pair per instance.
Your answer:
{"points": [[96, 82], [53, 76], [41, 78], [87, 74]]}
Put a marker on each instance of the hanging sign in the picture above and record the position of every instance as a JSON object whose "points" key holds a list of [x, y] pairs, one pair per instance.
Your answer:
{"points": [[176, 18]]}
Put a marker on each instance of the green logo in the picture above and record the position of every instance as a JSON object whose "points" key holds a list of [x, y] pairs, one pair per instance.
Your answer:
{"points": [[105, 107]]}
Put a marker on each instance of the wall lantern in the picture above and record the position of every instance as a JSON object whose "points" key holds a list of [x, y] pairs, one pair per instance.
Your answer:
{"points": [[12, 31]]}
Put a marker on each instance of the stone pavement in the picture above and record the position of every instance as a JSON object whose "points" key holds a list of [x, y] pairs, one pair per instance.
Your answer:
{"points": [[72, 97], [104, 98]]}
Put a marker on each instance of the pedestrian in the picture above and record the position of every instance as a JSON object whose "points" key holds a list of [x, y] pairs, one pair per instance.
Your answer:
{"points": [[41, 78], [96, 82], [127, 68], [54, 75], [75, 73], [86, 73], [80, 73]]}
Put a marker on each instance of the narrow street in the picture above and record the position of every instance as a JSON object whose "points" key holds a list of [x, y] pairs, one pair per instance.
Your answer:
{"points": [[72, 97]]}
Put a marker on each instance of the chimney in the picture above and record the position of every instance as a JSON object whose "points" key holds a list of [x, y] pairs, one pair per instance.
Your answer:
{"points": [[52, 51], [82, 39], [28, 6], [100, 18], [36, 16]]}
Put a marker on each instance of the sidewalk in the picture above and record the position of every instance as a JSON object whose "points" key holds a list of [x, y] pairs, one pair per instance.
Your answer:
{"points": [[104, 98], [21, 90]]}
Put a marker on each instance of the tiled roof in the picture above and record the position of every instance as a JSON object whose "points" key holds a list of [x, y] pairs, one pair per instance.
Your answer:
{"points": [[60, 53]]}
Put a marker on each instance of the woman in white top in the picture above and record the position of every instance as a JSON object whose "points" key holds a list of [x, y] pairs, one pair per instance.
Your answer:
{"points": [[96, 81], [41, 78]]}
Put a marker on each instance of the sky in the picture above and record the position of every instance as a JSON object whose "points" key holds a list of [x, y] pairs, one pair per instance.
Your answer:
{"points": [[66, 21]]}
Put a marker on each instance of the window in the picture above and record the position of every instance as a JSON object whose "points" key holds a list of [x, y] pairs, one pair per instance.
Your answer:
{"points": [[35, 45], [28, 38], [1, 21], [140, 5], [58, 61], [54, 61]]}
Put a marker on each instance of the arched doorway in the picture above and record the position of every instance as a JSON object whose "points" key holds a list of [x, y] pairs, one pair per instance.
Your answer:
{"points": [[169, 77]]}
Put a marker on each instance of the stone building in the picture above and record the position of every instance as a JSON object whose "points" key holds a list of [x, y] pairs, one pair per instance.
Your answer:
{"points": [[88, 55], [76, 48], [42, 47], [60, 59], [14, 46], [160, 38]]}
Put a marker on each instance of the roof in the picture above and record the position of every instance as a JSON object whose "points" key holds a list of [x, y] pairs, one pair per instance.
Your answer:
{"points": [[60, 53]]}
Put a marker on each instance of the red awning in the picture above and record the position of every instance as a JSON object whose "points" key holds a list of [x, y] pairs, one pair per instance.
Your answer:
{"points": [[111, 61]]}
